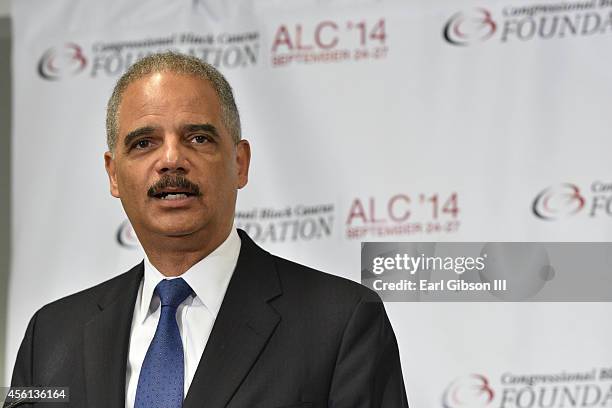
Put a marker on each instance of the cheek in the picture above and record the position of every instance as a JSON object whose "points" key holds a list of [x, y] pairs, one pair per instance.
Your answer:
{"points": [[218, 172], [219, 182], [131, 181]]}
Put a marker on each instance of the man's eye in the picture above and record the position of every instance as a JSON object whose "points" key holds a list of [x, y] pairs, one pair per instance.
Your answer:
{"points": [[200, 139], [142, 144]]}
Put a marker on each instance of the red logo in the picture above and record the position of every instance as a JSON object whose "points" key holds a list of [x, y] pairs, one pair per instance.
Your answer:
{"points": [[403, 214], [466, 28], [558, 201], [471, 391], [126, 237], [329, 41], [58, 62]]}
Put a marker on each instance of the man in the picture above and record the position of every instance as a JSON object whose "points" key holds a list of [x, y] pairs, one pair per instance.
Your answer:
{"points": [[208, 319]]}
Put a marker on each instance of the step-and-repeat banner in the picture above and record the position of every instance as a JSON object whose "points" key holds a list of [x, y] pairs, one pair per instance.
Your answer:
{"points": [[369, 121]]}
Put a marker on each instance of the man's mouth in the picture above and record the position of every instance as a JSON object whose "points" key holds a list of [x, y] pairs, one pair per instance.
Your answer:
{"points": [[171, 188], [174, 195]]}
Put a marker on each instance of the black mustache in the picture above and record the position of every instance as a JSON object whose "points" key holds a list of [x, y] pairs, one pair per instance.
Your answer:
{"points": [[175, 181]]}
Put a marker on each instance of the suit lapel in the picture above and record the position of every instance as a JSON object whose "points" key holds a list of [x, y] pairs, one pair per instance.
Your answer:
{"points": [[106, 342], [242, 328]]}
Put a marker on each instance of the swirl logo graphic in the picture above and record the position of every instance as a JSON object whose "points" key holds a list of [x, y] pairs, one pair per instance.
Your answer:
{"points": [[557, 202], [471, 391], [466, 28], [59, 62], [126, 237]]}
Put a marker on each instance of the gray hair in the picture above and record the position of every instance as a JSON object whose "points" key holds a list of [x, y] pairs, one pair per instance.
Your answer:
{"points": [[179, 64]]}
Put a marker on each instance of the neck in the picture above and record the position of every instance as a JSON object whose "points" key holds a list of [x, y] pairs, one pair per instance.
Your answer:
{"points": [[173, 256]]}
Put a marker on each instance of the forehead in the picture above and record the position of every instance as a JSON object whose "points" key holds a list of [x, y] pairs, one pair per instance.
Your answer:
{"points": [[168, 94]]}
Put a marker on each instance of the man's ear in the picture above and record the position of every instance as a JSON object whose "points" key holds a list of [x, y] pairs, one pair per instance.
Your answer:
{"points": [[243, 159], [109, 164]]}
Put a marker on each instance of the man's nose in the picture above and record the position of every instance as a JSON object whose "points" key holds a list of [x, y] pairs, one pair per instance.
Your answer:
{"points": [[172, 156]]}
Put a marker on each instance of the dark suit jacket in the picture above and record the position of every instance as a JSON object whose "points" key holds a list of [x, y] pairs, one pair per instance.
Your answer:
{"points": [[286, 336]]}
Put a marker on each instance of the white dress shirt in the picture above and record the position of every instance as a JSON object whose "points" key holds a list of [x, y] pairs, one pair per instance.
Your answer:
{"points": [[195, 316]]}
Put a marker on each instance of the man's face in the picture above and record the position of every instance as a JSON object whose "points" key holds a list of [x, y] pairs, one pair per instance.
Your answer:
{"points": [[176, 168]]}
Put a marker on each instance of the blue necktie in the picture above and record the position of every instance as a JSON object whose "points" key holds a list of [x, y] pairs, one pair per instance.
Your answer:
{"points": [[161, 380]]}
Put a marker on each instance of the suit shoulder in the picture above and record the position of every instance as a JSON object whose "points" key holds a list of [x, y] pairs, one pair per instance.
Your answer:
{"points": [[82, 300], [306, 279]]}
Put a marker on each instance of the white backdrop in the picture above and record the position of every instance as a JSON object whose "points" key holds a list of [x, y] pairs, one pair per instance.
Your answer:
{"points": [[369, 120]]}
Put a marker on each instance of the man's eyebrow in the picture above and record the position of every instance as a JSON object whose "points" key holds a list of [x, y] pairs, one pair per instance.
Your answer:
{"points": [[202, 127], [134, 134]]}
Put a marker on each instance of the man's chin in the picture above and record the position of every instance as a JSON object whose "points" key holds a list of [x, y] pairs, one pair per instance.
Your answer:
{"points": [[178, 234], [175, 230]]}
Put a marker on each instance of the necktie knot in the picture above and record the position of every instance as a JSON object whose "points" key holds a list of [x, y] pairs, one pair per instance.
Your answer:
{"points": [[172, 292]]}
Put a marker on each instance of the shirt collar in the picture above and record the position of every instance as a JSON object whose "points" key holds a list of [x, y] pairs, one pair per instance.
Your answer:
{"points": [[208, 278]]}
